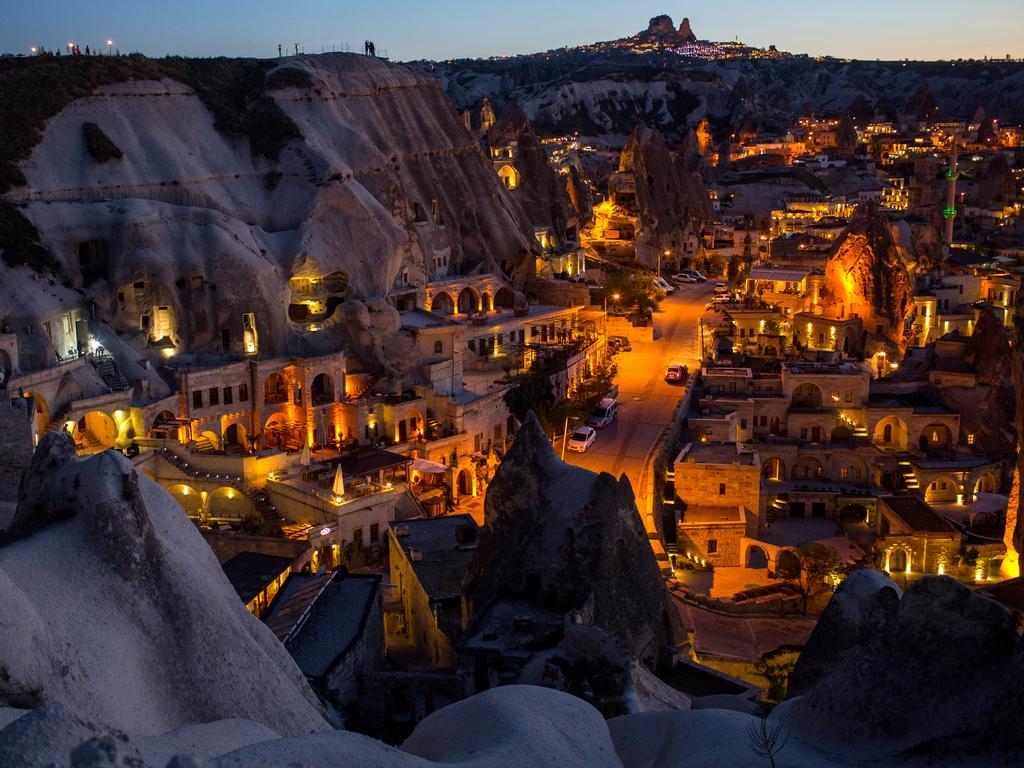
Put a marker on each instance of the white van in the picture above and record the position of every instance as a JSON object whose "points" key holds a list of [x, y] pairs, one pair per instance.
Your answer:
{"points": [[604, 414]]}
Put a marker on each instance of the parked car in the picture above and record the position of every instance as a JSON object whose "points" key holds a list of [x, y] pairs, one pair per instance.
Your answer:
{"points": [[663, 285], [620, 343], [581, 439], [677, 372], [721, 298], [697, 276], [682, 277], [604, 414], [721, 287]]}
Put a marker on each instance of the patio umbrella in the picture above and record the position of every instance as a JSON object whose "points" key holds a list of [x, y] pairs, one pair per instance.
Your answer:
{"points": [[339, 482], [305, 459], [428, 467]]}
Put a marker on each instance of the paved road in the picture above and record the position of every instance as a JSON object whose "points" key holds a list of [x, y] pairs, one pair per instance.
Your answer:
{"points": [[646, 400]]}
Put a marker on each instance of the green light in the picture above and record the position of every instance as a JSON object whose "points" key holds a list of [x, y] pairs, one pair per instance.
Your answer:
{"points": [[949, 213]]}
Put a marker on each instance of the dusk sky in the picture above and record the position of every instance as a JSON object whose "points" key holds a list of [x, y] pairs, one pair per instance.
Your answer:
{"points": [[922, 29]]}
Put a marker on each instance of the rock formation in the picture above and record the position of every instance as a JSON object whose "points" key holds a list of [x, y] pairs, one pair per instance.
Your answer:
{"points": [[661, 29], [866, 277], [863, 605], [110, 600], [565, 539], [671, 202], [384, 181], [541, 191], [941, 674]]}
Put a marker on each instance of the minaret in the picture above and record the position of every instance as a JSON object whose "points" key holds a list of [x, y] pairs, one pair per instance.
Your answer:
{"points": [[950, 212]]}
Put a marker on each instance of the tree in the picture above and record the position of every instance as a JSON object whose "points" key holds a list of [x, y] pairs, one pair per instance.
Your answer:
{"points": [[767, 741], [590, 391], [812, 569], [634, 288], [531, 392]]}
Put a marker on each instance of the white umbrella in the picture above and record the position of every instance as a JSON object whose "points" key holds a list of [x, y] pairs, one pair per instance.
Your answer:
{"points": [[428, 467], [339, 482], [305, 459]]}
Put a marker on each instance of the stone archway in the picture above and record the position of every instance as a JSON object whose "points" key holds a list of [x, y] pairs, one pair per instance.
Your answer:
{"points": [[986, 483], [897, 559], [841, 434], [774, 469], [935, 437], [189, 498], [756, 557], [891, 432], [463, 482], [275, 389], [322, 389], [94, 432], [853, 513], [228, 502], [42, 411], [944, 489], [504, 298], [235, 438], [442, 304], [806, 395], [469, 301]]}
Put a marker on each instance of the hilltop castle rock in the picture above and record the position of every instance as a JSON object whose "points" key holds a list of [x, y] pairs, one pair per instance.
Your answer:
{"points": [[662, 29]]}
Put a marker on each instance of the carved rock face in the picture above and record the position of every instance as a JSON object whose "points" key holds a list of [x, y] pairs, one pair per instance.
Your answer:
{"points": [[865, 277], [562, 538]]}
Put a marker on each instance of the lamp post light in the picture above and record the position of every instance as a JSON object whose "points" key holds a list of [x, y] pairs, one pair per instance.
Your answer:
{"points": [[33, 49], [110, 47], [71, 47], [615, 297]]}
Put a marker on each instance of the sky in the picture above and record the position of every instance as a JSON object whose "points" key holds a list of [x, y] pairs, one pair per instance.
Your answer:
{"points": [[441, 29]]}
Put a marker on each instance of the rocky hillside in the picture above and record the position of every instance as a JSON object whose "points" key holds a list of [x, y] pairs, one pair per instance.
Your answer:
{"points": [[111, 601], [212, 195], [601, 94]]}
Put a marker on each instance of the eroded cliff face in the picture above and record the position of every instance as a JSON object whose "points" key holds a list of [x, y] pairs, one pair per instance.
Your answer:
{"points": [[111, 601], [386, 188], [565, 539], [865, 276], [542, 192]]}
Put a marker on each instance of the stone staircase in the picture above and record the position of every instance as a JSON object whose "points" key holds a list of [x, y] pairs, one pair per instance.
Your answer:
{"points": [[109, 372], [264, 509], [909, 478]]}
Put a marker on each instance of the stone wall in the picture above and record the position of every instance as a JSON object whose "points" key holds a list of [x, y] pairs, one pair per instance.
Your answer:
{"points": [[728, 535], [227, 544], [17, 440], [561, 293]]}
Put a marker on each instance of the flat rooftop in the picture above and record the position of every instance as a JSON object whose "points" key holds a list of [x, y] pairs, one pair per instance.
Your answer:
{"points": [[714, 453], [709, 514], [917, 514]]}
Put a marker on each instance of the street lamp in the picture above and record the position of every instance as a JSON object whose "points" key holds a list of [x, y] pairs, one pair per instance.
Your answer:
{"points": [[615, 296], [33, 49], [110, 47]]}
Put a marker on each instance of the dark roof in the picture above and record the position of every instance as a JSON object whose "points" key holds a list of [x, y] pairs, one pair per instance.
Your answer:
{"points": [[251, 572], [1010, 593], [441, 560], [918, 401], [293, 600], [371, 460], [917, 515], [335, 621]]}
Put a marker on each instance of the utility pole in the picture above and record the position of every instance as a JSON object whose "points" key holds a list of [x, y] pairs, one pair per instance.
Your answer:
{"points": [[950, 212], [296, 48]]}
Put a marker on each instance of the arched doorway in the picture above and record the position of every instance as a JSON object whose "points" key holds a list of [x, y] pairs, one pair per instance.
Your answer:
{"points": [[94, 432], [774, 469], [463, 483], [841, 434], [891, 432], [276, 432], [207, 442], [42, 411], [468, 301], [189, 498], [442, 304], [6, 367], [509, 176], [234, 438], [897, 561], [942, 490], [322, 389], [164, 427], [756, 557], [228, 502], [504, 298], [275, 389], [986, 483], [775, 426], [806, 395], [935, 437]]}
